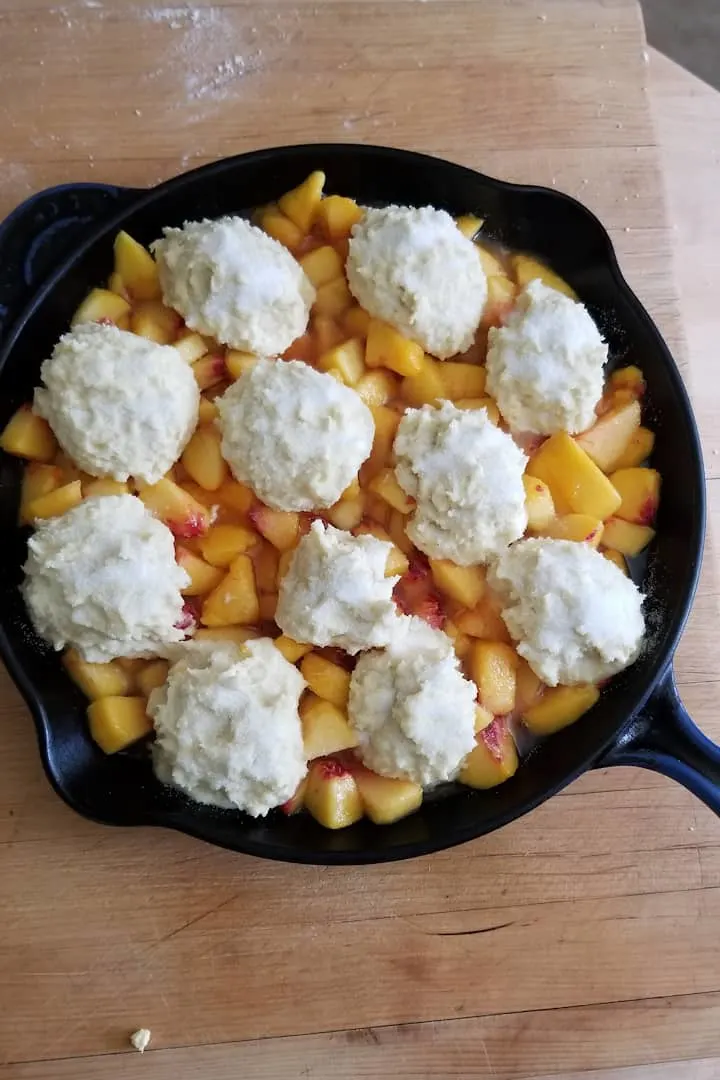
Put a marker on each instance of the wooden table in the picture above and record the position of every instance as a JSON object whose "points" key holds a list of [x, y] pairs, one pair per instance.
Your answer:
{"points": [[581, 941]]}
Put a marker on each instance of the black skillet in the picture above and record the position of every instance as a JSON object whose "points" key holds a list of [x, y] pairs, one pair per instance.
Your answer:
{"points": [[58, 244]]}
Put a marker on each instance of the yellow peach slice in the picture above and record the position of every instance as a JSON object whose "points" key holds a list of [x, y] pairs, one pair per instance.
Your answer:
{"points": [[325, 727], [117, 722], [559, 707], [28, 436], [640, 493], [136, 267]]}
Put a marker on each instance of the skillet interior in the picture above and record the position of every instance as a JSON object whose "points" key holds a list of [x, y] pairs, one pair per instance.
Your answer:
{"points": [[122, 789]]}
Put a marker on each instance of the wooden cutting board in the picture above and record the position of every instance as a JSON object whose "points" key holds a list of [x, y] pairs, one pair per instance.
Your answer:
{"points": [[583, 937]]}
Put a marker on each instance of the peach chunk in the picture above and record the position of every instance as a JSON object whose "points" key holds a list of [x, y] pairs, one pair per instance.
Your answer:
{"points": [[526, 269], [296, 802], [386, 425], [237, 634], [235, 599], [329, 681], [626, 537], [356, 321], [238, 362], [638, 449], [331, 795], [224, 543], [333, 298], [494, 759], [614, 556], [301, 204], [484, 622], [97, 680], [203, 576], [203, 459], [579, 527], [628, 378], [183, 515], [322, 265], [235, 496], [56, 502], [538, 503], [500, 298], [348, 360], [136, 267], [292, 650], [210, 370], [483, 719], [387, 347], [469, 225], [493, 666], [337, 215], [347, 513], [576, 483], [486, 403], [466, 584], [386, 799], [397, 563], [28, 436], [325, 727], [528, 687], [280, 227], [101, 305], [640, 493], [386, 486], [608, 439], [37, 480], [398, 535], [460, 380], [280, 527], [559, 707], [117, 722], [153, 320], [117, 285], [426, 386], [103, 485], [152, 676], [191, 346]]}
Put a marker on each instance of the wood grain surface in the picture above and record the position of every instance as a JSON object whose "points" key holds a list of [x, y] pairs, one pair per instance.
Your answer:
{"points": [[579, 942]]}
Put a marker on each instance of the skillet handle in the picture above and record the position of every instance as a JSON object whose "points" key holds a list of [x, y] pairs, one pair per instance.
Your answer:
{"points": [[44, 230], [662, 737]]}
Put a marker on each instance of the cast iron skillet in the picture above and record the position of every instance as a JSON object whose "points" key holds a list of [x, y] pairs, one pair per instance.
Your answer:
{"points": [[58, 244]]}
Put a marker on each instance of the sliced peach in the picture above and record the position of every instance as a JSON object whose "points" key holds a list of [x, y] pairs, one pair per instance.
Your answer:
{"points": [[152, 676], [136, 267], [235, 496], [333, 298], [280, 527], [235, 599], [237, 634], [183, 515], [203, 459], [580, 527], [628, 378], [462, 643], [331, 795], [484, 622], [576, 483], [28, 436], [210, 370], [203, 576], [396, 531], [494, 759], [97, 680], [56, 502], [387, 347], [385, 485], [500, 299], [538, 503], [207, 411], [528, 687], [490, 262], [616, 557], [638, 449], [639, 490], [117, 722], [329, 681], [238, 362], [337, 215], [386, 425], [466, 584], [117, 285], [37, 480], [347, 359], [493, 666], [191, 346], [347, 513], [103, 485], [485, 403], [397, 563], [469, 225], [378, 512], [461, 380], [266, 560], [526, 269], [153, 320], [280, 227], [101, 305], [326, 334], [302, 203], [325, 727], [223, 543], [296, 802], [626, 537], [292, 650], [608, 439], [559, 707], [322, 265], [356, 321], [483, 718], [384, 798], [268, 606], [426, 386]]}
